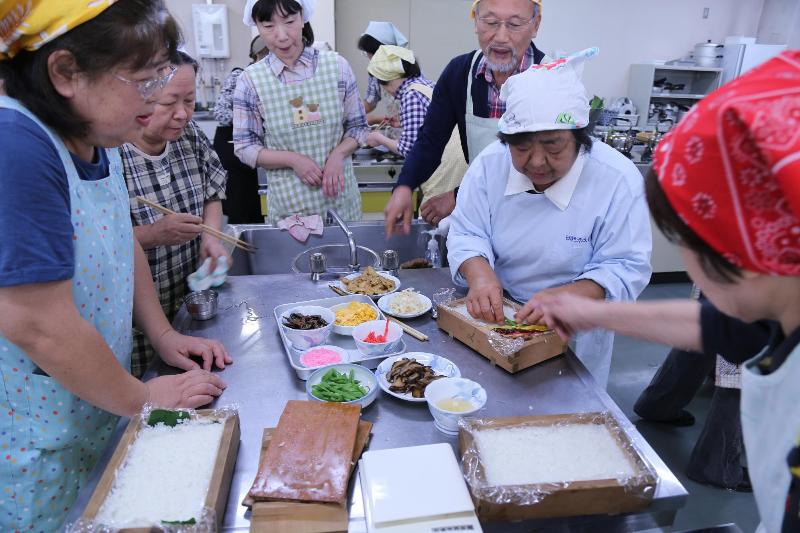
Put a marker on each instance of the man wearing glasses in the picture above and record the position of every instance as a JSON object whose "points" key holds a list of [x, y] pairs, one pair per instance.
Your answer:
{"points": [[467, 95]]}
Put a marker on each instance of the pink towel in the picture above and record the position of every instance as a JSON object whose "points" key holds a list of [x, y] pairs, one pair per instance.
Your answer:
{"points": [[301, 227]]}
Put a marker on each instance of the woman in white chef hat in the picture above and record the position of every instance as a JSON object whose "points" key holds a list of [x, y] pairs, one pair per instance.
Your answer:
{"points": [[545, 210], [297, 113]]}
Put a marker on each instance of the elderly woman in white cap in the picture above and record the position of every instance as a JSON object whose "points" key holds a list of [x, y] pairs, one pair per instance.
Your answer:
{"points": [[544, 210], [398, 72], [297, 113]]}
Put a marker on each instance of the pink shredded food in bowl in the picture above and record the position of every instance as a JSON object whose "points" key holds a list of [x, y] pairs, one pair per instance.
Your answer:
{"points": [[320, 357]]}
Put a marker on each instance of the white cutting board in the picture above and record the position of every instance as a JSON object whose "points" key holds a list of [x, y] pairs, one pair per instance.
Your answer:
{"points": [[413, 483]]}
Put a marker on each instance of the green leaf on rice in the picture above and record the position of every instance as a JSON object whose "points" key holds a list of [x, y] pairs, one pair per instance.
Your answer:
{"points": [[189, 522], [166, 417]]}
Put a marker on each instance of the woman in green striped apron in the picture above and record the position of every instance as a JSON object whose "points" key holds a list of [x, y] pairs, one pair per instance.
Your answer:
{"points": [[297, 113]]}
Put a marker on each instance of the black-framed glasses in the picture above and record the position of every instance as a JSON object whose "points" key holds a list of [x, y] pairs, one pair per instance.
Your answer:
{"points": [[149, 86]]}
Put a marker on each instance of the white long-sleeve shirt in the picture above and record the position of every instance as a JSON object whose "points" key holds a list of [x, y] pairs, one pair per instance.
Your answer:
{"points": [[591, 224]]}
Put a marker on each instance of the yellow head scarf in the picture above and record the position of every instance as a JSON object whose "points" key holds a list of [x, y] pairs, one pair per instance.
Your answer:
{"points": [[387, 63], [30, 24], [475, 3]]}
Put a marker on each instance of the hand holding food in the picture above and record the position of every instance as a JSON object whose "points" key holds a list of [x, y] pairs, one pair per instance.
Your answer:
{"points": [[485, 299], [188, 390], [569, 314]]}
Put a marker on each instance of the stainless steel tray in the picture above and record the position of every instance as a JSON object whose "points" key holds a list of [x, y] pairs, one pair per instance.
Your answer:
{"points": [[343, 341]]}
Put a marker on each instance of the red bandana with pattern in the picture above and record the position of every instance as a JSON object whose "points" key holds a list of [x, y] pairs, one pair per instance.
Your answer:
{"points": [[731, 168]]}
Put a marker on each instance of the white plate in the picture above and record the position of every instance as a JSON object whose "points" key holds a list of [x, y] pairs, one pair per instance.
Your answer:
{"points": [[339, 284], [384, 302], [440, 365]]}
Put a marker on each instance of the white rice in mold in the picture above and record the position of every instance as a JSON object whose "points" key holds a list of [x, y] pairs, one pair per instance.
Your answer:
{"points": [[165, 476], [551, 454]]}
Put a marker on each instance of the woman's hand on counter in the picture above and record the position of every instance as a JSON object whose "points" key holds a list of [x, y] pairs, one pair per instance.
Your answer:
{"points": [[176, 349], [188, 390], [307, 170], [333, 175]]}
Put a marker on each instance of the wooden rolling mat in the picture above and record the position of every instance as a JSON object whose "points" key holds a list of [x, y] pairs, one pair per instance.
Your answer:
{"points": [[294, 517], [311, 454]]}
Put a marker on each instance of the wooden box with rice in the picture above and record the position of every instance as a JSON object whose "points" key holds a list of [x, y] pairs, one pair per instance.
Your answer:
{"points": [[522, 468], [169, 468], [534, 344]]}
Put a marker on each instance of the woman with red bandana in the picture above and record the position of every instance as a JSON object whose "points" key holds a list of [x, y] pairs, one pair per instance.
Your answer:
{"points": [[726, 188]]}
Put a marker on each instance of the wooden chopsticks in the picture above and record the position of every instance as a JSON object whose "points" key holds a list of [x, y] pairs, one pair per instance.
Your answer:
{"points": [[408, 329], [247, 247]]}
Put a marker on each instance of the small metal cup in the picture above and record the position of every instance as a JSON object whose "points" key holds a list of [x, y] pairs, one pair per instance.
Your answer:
{"points": [[317, 265], [202, 305], [390, 261]]}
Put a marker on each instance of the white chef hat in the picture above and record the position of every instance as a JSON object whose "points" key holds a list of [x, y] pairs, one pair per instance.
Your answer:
{"points": [[307, 5], [386, 33], [547, 97]]}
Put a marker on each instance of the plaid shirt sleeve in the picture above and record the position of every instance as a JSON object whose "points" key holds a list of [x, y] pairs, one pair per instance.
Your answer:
{"points": [[247, 124], [223, 108], [413, 108], [373, 94], [353, 114], [214, 175]]}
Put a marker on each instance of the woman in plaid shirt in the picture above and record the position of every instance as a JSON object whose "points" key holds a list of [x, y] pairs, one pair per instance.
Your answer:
{"points": [[398, 72], [174, 165]]}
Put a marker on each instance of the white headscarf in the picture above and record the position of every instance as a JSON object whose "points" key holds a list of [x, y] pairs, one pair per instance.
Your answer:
{"points": [[386, 33], [307, 5]]}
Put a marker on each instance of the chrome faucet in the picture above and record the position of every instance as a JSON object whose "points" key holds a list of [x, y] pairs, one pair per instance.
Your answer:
{"points": [[351, 240]]}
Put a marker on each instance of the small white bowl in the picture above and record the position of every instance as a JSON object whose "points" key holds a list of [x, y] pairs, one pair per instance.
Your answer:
{"points": [[362, 374], [370, 349], [449, 388], [345, 356], [385, 305], [303, 339], [347, 330]]}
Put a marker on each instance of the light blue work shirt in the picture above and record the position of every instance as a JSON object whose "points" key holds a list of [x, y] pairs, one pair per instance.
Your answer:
{"points": [[591, 224]]}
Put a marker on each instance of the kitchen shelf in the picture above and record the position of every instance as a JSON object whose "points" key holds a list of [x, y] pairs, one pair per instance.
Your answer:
{"points": [[697, 81]]}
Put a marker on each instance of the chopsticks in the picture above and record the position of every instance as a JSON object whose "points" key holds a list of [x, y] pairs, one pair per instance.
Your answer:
{"points": [[408, 329], [247, 247]]}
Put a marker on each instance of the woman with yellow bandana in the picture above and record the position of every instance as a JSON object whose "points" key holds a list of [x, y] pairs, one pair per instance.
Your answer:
{"points": [[70, 269]]}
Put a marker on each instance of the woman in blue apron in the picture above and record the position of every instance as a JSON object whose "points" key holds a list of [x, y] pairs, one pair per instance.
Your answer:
{"points": [[297, 113], [70, 269], [725, 186]]}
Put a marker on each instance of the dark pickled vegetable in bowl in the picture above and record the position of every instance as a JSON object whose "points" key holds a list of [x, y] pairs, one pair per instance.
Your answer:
{"points": [[304, 322]]}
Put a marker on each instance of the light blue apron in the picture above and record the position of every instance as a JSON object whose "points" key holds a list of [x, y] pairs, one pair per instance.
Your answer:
{"points": [[49, 438]]}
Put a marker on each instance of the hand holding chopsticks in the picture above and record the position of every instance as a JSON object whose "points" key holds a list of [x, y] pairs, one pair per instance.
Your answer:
{"points": [[207, 229]]}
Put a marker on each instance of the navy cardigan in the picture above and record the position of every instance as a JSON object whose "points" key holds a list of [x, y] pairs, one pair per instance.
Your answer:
{"points": [[447, 108]]}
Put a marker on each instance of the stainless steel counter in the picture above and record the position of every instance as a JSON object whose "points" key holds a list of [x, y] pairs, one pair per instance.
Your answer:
{"points": [[261, 381]]}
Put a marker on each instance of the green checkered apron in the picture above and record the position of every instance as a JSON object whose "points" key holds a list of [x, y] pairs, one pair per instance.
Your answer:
{"points": [[306, 118]]}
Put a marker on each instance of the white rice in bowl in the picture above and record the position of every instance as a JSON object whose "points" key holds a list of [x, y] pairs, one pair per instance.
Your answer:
{"points": [[165, 475], [551, 454]]}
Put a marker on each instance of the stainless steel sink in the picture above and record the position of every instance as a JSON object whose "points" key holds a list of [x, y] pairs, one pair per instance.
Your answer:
{"points": [[277, 250], [338, 258]]}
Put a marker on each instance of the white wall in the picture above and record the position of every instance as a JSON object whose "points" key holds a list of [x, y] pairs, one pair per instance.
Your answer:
{"points": [[634, 31], [324, 22], [780, 23]]}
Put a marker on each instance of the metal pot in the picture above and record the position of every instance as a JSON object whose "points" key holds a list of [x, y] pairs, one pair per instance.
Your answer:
{"points": [[620, 140], [707, 54]]}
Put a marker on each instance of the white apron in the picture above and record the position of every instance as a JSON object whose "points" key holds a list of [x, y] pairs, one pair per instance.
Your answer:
{"points": [[771, 425], [481, 132]]}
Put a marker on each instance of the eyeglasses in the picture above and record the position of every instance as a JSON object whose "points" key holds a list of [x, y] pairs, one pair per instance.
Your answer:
{"points": [[149, 86], [492, 25]]}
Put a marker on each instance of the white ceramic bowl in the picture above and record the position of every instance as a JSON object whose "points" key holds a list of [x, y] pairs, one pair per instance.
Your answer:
{"points": [[375, 296], [448, 388], [362, 374], [346, 330], [344, 354], [369, 349], [385, 305], [303, 339]]}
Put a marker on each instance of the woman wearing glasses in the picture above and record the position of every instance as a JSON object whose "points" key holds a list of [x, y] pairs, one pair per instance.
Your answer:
{"points": [[297, 113], [70, 268], [467, 95], [174, 165]]}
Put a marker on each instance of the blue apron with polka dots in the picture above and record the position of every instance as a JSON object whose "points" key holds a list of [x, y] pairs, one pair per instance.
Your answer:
{"points": [[49, 438]]}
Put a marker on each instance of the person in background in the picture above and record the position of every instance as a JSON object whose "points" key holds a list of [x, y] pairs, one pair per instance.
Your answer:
{"points": [[242, 204], [467, 95], [725, 186], [297, 114], [545, 211], [377, 34], [72, 276], [397, 71], [174, 165]]}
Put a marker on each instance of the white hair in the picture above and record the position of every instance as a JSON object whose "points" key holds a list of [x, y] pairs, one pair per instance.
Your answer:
{"points": [[535, 9]]}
